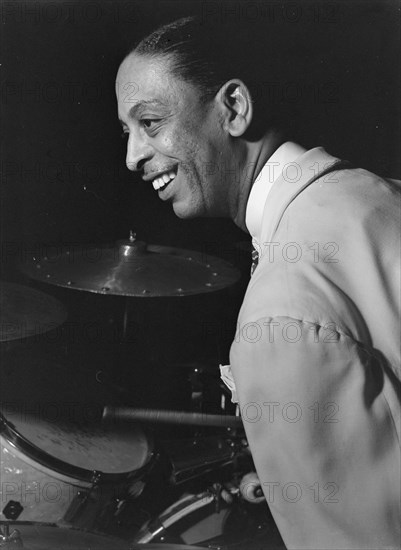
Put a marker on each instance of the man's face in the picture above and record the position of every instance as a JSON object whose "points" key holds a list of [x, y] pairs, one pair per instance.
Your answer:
{"points": [[176, 141]]}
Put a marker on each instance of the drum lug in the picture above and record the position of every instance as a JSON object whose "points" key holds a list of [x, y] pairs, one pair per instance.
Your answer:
{"points": [[96, 477]]}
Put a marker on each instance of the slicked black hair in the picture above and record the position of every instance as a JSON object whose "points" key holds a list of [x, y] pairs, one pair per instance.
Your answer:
{"points": [[193, 56], [210, 55]]}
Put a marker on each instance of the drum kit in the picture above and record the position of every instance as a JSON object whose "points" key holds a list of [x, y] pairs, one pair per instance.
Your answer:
{"points": [[81, 468]]}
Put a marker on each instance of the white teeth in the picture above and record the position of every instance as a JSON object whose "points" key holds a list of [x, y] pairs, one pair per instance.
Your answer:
{"points": [[162, 180]]}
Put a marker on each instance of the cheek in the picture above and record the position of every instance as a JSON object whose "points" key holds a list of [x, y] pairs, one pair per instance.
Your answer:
{"points": [[187, 149], [177, 145], [167, 142], [189, 135]]}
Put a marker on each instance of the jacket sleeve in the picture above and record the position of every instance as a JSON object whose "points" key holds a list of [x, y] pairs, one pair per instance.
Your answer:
{"points": [[319, 414]]}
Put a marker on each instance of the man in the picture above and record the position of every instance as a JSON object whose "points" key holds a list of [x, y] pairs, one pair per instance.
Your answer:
{"points": [[316, 359]]}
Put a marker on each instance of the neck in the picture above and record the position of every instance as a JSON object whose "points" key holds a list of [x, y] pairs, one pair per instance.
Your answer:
{"points": [[258, 153]]}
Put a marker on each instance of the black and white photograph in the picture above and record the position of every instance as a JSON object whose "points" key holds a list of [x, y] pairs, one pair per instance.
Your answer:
{"points": [[200, 287]]}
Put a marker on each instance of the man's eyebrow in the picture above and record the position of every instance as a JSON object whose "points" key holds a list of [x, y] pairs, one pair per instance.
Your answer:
{"points": [[140, 105], [135, 109]]}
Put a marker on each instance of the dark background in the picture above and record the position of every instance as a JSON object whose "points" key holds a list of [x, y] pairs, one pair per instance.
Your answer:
{"points": [[63, 171], [64, 180]]}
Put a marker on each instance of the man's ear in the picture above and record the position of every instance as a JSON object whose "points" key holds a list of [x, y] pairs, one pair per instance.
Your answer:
{"points": [[236, 103]]}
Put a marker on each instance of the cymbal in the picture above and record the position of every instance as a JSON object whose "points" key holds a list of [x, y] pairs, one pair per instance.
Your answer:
{"points": [[133, 268], [25, 312]]}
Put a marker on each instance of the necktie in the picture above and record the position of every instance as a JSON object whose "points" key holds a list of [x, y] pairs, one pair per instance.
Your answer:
{"points": [[255, 260]]}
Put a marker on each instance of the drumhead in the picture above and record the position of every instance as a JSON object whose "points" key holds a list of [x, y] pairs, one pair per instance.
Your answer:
{"points": [[76, 448]]}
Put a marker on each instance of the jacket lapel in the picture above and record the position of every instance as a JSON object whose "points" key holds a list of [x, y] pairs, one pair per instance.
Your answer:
{"points": [[295, 178]]}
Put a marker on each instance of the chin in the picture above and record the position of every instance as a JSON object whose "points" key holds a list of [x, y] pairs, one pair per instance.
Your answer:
{"points": [[187, 212]]}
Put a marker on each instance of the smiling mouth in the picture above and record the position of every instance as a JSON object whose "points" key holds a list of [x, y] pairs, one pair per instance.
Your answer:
{"points": [[161, 182]]}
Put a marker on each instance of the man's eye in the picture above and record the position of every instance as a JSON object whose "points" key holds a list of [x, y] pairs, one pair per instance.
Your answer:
{"points": [[148, 122]]}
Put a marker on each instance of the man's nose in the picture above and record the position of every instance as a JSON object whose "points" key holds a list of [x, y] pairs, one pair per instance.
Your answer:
{"points": [[138, 152]]}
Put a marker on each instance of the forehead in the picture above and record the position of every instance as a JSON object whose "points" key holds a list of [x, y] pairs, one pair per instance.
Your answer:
{"points": [[148, 81]]}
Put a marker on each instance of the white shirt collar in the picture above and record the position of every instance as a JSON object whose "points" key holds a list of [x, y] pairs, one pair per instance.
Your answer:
{"points": [[271, 171]]}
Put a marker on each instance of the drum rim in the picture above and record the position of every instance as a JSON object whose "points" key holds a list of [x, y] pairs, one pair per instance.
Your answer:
{"points": [[21, 443], [17, 523]]}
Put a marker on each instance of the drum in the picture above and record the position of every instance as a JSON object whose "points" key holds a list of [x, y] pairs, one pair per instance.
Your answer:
{"points": [[68, 472], [202, 519], [39, 536]]}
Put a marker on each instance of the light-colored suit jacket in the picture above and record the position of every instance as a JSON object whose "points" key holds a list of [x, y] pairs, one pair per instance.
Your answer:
{"points": [[316, 356]]}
